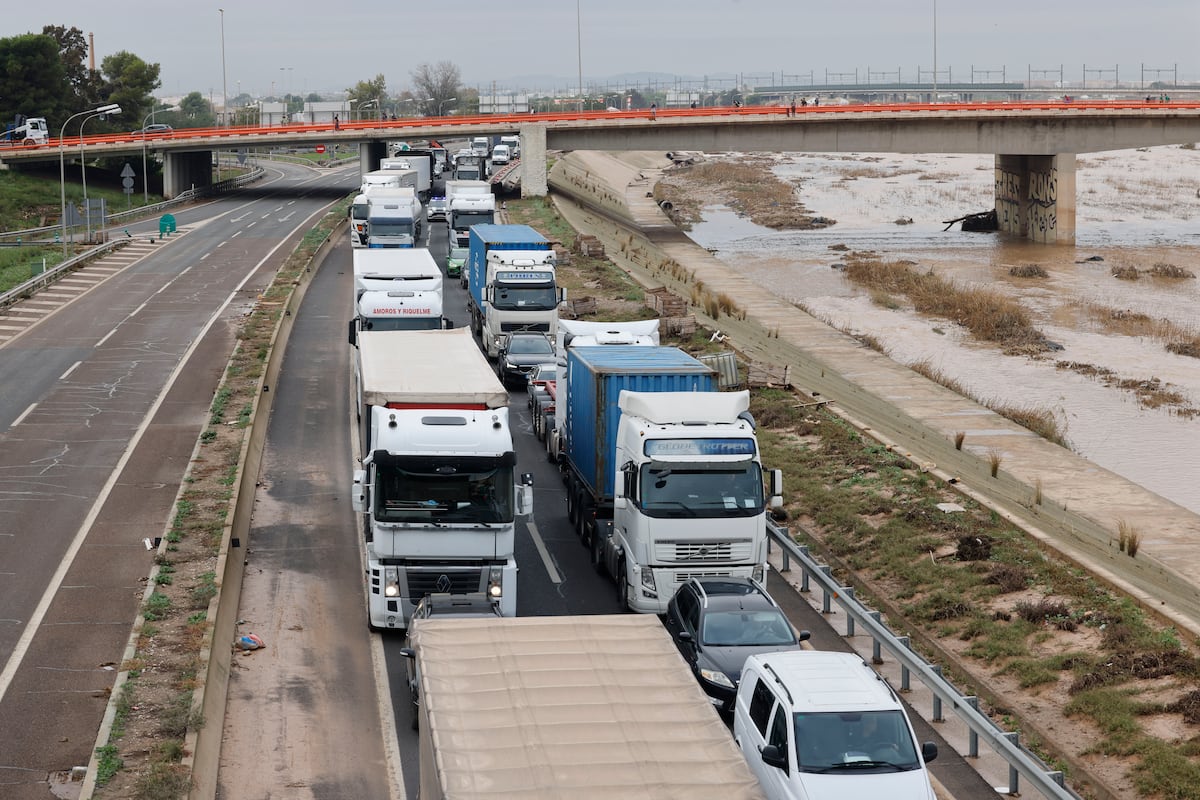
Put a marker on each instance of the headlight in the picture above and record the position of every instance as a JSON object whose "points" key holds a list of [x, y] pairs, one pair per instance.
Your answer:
{"points": [[391, 583], [495, 583], [760, 573], [648, 580], [717, 677]]}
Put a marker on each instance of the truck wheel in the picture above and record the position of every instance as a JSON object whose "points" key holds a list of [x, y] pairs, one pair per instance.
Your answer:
{"points": [[571, 501], [622, 587], [583, 523], [597, 552]]}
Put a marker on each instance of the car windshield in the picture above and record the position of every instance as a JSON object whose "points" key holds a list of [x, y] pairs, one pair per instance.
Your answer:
{"points": [[530, 345], [763, 628], [849, 742], [458, 253]]}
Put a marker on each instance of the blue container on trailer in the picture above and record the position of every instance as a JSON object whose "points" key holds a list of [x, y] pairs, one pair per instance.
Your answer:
{"points": [[496, 237], [595, 378]]}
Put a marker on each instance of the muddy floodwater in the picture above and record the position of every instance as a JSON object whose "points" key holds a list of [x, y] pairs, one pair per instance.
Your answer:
{"points": [[1135, 208]]}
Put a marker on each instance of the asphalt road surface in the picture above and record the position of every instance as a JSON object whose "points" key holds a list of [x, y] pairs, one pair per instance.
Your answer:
{"points": [[102, 403]]}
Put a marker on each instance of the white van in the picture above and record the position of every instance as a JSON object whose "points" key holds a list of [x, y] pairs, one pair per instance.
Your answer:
{"points": [[813, 724], [500, 154]]}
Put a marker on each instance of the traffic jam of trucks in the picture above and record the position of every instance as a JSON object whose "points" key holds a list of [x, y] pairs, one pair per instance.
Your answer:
{"points": [[664, 485]]}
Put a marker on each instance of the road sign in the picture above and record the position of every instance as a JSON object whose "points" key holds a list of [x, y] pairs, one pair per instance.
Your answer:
{"points": [[320, 148], [127, 182], [241, 156], [128, 173]]}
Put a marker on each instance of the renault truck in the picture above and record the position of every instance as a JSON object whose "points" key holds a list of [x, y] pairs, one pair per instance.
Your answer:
{"points": [[436, 488]]}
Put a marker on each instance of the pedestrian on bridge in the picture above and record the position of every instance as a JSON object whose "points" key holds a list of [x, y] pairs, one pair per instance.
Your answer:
{"points": [[337, 124], [653, 110]]}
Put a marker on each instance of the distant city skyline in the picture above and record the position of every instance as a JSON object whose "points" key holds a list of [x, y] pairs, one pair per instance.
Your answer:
{"points": [[301, 47]]}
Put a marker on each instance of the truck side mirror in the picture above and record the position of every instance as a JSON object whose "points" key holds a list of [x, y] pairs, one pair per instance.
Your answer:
{"points": [[929, 751], [359, 499], [776, 488], [524, 500], [448, 324], [354, 332], [773, 758], [527, 478]]}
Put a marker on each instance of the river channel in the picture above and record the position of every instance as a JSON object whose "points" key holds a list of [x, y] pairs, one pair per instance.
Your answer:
{"points": [[1136, 208]]}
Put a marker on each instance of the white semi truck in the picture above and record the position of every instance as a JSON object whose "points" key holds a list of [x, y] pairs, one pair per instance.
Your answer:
{"points": [[566, 707], [393, 269], [436, 486], [468, 203], [663, 474], [511, 283], [398, 310], [393, 217]]}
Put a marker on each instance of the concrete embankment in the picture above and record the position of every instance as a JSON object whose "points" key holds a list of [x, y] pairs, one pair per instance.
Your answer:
{"points": [[1066, 502]]}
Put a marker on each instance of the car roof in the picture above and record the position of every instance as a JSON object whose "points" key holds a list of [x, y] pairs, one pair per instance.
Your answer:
{"points": [[717, 594], [825, 681]]}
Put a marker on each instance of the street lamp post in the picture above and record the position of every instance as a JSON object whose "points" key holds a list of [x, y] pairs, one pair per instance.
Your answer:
{"points": [[145, 169], [111, 108], [374, 102], [224, 83], [442, 104]]}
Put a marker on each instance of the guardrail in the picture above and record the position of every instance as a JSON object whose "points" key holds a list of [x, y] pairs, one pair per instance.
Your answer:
{"points": [[153, 208], [54, 273], [1021, 762]]}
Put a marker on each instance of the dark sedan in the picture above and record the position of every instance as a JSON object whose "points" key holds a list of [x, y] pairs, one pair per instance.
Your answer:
{"points": [[718, 622], [520, 354]]}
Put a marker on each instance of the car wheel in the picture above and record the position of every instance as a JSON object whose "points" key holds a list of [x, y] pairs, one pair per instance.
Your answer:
{"points": [[622, 587]]}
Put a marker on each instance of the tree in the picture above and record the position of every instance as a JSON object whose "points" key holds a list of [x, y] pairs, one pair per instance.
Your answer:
{"points": [[368, 91], [73, 51], [436, 84], [128, 81], [32, 80], [195, 111]]}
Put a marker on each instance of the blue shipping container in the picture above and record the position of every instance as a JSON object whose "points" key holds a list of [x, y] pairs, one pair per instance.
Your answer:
{"points": [[496, 237], [595, 378]]}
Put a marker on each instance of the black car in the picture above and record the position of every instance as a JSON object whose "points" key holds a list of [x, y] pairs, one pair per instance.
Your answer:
{"points": [[718, 622], [520, 353]]}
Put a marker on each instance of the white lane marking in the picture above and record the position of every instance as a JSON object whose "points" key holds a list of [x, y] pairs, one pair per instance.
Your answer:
{"points": [[251, 225], [21, 648], [98, 344], [24, 414], [540, 544], [268, 214], [239, 233], [70, 369], [136, 310]]}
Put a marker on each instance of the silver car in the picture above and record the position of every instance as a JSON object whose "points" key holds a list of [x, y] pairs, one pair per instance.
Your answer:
{"points": [[437, 208]]}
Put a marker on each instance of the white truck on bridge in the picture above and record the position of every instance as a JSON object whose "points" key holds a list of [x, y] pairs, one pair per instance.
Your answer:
{"points": [[436, 487]]}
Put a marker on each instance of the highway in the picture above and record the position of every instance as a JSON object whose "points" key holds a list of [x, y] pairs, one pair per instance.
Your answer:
{"points": [[110, 393], [119, 381], [303, 586]]}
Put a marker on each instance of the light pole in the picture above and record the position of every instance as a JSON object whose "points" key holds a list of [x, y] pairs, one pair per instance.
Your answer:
{"points": [[111, 108], [145, 171], [579, 49], [442, 104], [224, 84], [935, 95], [374, 102]]}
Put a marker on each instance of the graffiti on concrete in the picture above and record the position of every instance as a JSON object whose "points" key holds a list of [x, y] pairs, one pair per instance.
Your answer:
{"points": [[1043, 202]]}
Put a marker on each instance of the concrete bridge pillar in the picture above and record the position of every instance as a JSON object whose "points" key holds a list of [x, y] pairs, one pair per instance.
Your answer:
{"points": [[1035, 197], [533, 160], [369, 156], [183, 171]]}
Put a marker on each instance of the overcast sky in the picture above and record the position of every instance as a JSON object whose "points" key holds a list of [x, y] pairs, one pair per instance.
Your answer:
{"points": [[305, 46]]}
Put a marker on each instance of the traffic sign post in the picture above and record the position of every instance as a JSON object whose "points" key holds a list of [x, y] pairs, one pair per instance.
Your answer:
{"points": [[127, 176]]}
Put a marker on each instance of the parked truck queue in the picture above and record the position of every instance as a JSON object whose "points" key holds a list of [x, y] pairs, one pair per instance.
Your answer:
{"points": [[664, 486]]}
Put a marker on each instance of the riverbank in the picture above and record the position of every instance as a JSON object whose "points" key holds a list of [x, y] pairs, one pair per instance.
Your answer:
{"points": [[1063, 501]]}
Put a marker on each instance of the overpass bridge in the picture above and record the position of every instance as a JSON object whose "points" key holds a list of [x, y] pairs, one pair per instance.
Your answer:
{"points": [[1034, 144]]}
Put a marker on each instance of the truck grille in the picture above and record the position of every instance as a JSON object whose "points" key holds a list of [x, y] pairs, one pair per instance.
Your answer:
{"points": [[540, 327], [738, 551], [448, 579]]}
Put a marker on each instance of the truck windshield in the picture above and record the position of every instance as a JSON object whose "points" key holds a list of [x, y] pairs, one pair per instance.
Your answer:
{"points": [[465, 219], [539, 297], [392, 227], [681, 489], [359, 211], [445, 491], [402, 324]]}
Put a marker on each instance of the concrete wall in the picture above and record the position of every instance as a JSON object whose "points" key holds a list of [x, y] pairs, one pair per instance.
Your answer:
{"points": [[1035, 197], [183, 171], [533, 160], [369, 156]]}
